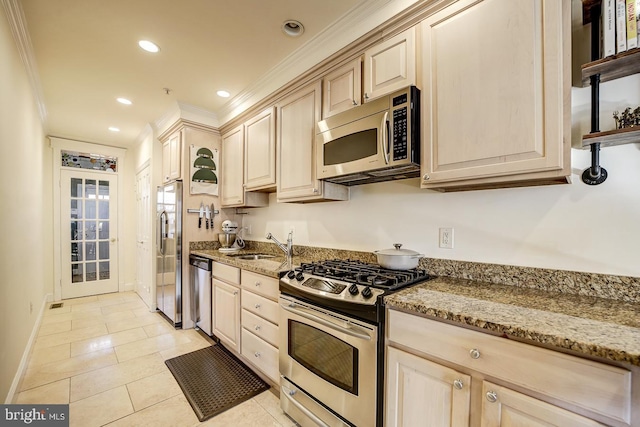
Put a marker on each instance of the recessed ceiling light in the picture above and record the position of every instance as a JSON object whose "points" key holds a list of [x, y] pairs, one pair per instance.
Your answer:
{"points": [[292, 28], [223, 93], [149, 46], [114, 129], [124, 101]]}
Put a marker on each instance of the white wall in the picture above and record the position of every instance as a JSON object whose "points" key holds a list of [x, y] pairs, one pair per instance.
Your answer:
{"points": [[568, 227], [26, 229]]}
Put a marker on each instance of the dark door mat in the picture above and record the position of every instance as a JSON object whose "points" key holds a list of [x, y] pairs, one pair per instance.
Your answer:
{"points": [[213, 380]]}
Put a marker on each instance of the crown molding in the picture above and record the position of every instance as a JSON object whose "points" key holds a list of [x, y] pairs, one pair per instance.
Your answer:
{"points": [[18, 25], [181, 111], [361, 19]]}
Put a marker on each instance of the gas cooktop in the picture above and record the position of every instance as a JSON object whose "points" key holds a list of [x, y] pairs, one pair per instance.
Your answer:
{"points": [[347, 281]]}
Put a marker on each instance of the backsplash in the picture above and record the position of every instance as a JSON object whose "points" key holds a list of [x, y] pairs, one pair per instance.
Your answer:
{"points": [[620, 288]]}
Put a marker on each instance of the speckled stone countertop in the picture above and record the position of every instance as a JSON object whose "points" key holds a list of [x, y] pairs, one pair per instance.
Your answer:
{"points": [[586, 325]]}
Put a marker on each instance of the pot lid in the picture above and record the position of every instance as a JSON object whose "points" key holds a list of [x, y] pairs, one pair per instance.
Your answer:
{"points": [[396, 250]]}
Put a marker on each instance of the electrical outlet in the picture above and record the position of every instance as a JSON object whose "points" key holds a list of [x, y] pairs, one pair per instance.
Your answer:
{"points": [[247, 228], [446, 238]]}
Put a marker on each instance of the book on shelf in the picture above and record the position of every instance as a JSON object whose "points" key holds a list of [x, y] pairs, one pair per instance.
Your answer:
{"points": [[621, 26], [632, 29], [608, 28]]}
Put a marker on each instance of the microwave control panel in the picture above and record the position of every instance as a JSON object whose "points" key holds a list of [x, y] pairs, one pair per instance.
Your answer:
{"points": [[400, 132]]}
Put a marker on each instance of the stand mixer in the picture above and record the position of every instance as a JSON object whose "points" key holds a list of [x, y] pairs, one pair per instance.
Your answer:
{"points": [[229, 239]]}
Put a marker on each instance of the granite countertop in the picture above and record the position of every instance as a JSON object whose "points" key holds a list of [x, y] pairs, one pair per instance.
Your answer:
{"points": [[269, 267], [586, 325]]}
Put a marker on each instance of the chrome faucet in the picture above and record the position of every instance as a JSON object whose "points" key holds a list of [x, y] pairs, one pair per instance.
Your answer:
{"points": [[288, 249]]}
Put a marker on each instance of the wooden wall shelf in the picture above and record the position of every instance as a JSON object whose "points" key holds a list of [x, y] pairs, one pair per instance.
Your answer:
{"points": [[612, 137], [612, 67]]}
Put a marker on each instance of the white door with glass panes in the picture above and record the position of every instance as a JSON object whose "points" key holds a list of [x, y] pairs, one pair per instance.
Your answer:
{"points": [[88, 224]]}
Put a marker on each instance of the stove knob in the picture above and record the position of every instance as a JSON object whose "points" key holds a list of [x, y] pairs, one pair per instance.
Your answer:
{"points": [[366, 292], [291, 274], [353, 290], [299, 277]]}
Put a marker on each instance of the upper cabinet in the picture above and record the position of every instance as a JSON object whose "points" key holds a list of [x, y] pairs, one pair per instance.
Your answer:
{"points": [[260, 151], [390, 65], [172, 157], [298, 114], [496, 94], [231, 168], [342, 88]]}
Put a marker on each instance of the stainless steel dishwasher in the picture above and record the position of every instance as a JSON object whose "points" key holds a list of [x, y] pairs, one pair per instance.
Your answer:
{"points": [[200, 275]]}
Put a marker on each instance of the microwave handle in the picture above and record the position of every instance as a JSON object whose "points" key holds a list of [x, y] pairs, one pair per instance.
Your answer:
{"points": [[385, 136]]}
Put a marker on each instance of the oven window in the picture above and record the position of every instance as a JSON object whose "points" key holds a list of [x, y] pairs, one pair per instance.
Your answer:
{"points": [[355, 146], [325, 355]]}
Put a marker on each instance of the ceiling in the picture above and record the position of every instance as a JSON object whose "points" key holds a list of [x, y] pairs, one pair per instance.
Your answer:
{"points": [[86, 55]]}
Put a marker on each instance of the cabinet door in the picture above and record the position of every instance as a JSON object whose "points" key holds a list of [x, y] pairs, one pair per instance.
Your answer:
{"points": [[172, 158], [390, 65], [342, 88], [226, 313], [297, 118], [231, 168], [507, 408], [495, 91], [260, 151], [423, 393]]}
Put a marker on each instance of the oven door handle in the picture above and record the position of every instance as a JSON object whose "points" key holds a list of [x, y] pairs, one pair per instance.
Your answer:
{"points": [[348, 329], [288, 393]]}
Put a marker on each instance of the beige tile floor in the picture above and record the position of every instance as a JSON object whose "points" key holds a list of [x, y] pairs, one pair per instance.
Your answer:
{"points": [[104, 356]]}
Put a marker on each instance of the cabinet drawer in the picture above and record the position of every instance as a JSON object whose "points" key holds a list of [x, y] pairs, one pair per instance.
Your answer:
{"points": [[260, 327], [262, 354], [225, 272], [263, 285], [593, 386], [261, 306]]}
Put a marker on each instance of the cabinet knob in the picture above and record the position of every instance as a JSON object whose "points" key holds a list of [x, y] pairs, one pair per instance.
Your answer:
{"points": [[426, 177], [257, 328], [492, 396], [257, 306], [235, 292], [458, 384], [257, 284], [474, 353], [315, 191], [366, 96], [256, 354], [354, 102]]}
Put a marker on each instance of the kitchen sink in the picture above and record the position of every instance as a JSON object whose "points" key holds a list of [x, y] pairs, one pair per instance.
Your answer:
{"points": [[252, 256]]}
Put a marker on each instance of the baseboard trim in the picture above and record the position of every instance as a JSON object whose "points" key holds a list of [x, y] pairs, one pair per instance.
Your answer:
{"points": [[17, 379]]}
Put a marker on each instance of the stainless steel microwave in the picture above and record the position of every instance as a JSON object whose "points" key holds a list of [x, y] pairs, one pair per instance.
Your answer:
{"points": [[377, 141]]}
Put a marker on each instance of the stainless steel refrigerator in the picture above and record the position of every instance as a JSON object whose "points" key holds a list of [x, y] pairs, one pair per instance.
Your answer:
{"points": [[169, 252]]}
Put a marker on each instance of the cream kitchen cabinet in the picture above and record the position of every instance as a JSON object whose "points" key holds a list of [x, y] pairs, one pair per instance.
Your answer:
{"points": [[297, 115], [260, 151], [390, 65], [172, 157], [260, 318], [232, 191], [424, 393], [342, 88], [508, 379], [225, 304], [496, 95]]}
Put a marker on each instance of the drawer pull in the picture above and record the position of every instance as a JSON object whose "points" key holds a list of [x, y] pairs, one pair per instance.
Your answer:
{"points": [[458, 384], [257, 306], [256, 354], [492, 396], [474, 353], [257, 284], [257, 328]]}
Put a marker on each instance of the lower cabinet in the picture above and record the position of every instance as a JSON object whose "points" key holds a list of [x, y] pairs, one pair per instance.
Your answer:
{"points": [[423, 393], [226, 313], [259, 320], [443, 375]]}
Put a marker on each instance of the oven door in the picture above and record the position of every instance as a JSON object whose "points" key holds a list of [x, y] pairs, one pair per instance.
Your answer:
{"points": [[331, 357]]}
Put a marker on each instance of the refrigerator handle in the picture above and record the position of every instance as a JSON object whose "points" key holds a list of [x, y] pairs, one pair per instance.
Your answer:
{"points": [[161, 224]]}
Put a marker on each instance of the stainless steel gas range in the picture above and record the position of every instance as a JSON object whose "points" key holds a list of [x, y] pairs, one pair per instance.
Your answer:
{"points": [[332, 341]]}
